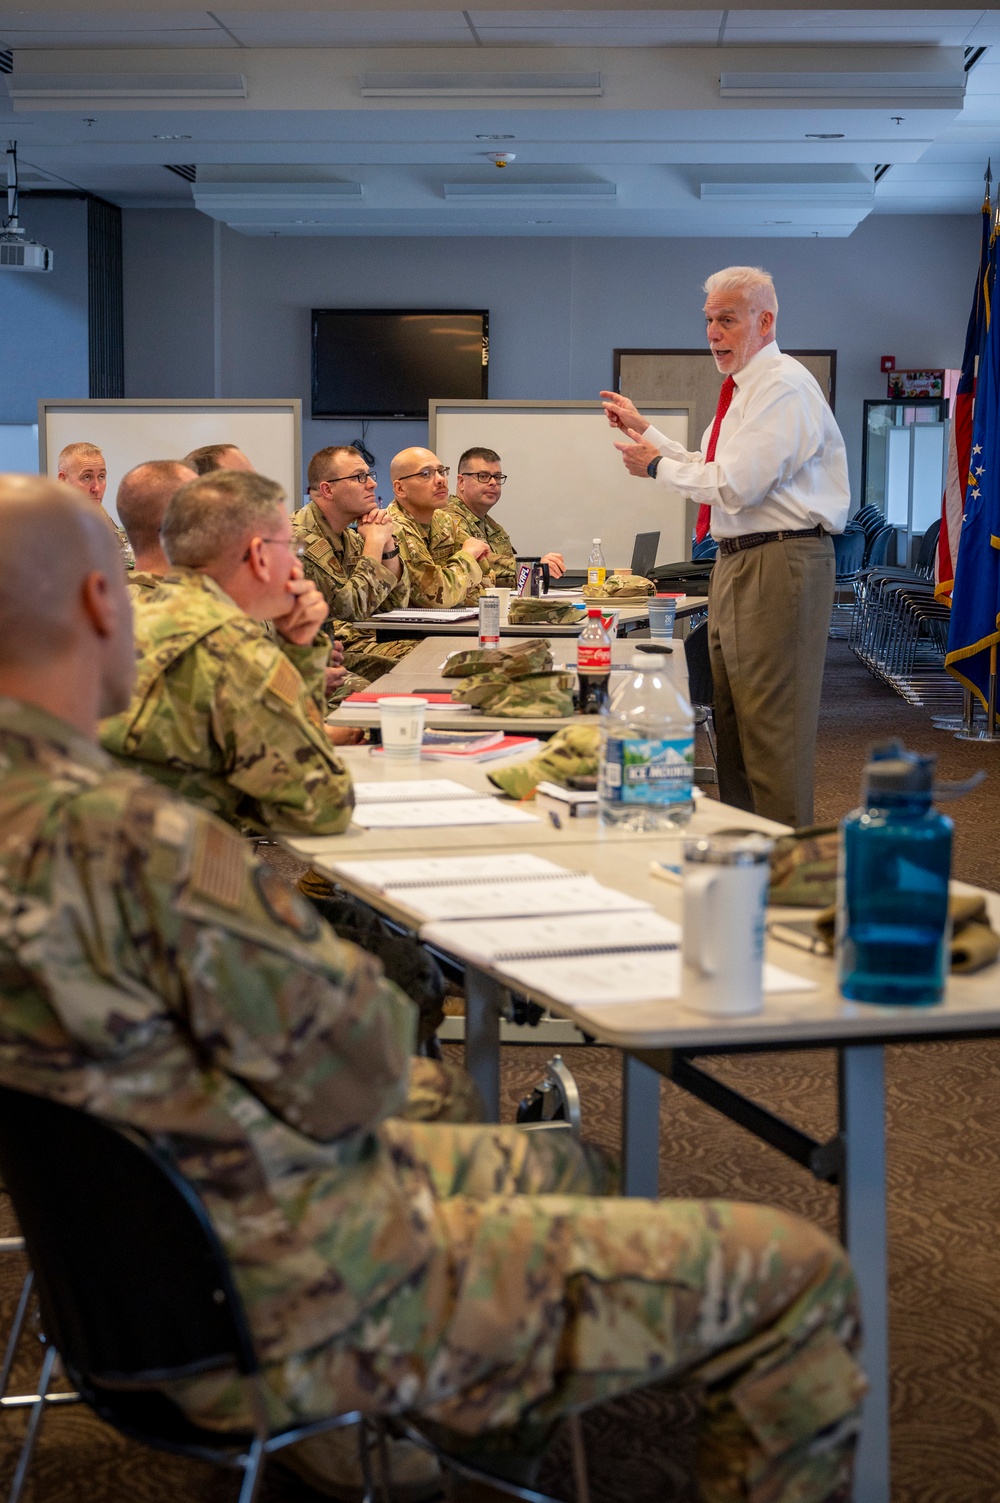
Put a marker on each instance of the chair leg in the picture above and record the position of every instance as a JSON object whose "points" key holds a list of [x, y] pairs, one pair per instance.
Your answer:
{"points": [[34, 1420], [17, 1327], [253, 1471], [581, 1481]]}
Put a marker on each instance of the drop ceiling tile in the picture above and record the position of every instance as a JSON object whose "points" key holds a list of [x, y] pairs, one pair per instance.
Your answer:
{"points": [[303, 28], [583, 19], [851, 32], [111, 28]]}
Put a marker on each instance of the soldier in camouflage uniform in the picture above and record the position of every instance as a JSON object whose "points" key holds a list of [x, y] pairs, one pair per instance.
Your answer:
{"points": [[82, 466], [221, 712], [420, 488], [352, 557], [479, 482], [155, 974], [143, 495]]}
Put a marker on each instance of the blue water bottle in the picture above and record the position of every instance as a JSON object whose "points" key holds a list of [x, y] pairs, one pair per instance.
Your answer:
{"points": [[892, 910]]}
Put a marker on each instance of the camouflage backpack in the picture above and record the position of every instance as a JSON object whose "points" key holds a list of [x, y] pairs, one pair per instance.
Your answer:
{"points": [[532, 611], [621, 588]]}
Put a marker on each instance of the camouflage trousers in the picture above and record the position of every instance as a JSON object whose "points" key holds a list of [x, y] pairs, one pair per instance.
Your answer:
{"points": [[541, 1298], [370, 659]]}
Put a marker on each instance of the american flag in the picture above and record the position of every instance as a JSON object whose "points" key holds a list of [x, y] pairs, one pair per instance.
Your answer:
{"points": [[960, 439]]}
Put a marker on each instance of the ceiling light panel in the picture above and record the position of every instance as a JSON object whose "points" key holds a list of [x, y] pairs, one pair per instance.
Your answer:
{"points": [[347, 28]]}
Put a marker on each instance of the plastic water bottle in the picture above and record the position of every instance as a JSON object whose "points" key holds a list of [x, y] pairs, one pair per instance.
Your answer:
{"points": [[892, 909], [646, 778], [489, 620], [596, 567], [593, 664]]}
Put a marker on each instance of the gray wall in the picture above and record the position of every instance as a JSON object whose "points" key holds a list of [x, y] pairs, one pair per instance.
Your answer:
{"points": [[43, 315], [558, 308]]}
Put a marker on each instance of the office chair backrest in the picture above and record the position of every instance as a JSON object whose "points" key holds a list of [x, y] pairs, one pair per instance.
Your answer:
{"points": [[133, 1282], [878, 546], [701, 689], [928, 547], [849, 550], [644, 551]]}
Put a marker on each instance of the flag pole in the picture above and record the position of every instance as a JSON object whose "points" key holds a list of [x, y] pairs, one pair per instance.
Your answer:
{"points": [[988, 732]]}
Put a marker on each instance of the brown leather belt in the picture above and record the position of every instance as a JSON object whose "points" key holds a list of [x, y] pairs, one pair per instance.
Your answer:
{"points": [[754, 539]]}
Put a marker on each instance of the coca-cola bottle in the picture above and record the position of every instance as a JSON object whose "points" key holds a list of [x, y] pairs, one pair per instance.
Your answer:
{"points": [[593, 664]]}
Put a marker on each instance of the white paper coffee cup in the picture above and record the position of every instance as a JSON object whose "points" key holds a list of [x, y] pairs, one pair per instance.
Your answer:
{"points": [[402, 722]]}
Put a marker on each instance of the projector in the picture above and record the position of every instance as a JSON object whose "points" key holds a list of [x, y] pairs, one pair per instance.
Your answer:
{"points": [[17, 254]]}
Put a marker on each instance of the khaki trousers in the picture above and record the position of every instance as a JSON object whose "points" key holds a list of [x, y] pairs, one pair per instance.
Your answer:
{"points": [[768, 619]]}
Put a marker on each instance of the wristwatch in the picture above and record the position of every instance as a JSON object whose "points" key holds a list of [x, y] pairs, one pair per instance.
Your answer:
{"points": [[652, 466], [391, 553]]}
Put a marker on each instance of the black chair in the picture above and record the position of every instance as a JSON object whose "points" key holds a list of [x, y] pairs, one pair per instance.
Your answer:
{"points": [[134, 1286], [701, 690]]}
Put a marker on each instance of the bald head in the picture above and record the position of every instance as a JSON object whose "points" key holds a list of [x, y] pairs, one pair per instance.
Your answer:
{"points": [[212, 457], [143, 497], [65, 620], [419, 482]]}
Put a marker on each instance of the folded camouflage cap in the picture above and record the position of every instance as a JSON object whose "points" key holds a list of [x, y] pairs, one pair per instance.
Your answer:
{"points": [[536, 611], [529, 694], [513, 662], [804, 868], [621, 587], [572, 752]]}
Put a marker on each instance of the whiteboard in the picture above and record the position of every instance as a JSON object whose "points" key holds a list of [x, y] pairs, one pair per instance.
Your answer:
{"points": [[566, 482], [130, 432]]}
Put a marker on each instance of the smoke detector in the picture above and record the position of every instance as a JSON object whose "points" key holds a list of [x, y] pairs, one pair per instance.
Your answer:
{"points": [[502, 158]]}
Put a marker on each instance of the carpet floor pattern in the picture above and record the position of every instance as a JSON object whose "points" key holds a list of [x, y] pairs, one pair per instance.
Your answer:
{"points": [[944, 1214]]}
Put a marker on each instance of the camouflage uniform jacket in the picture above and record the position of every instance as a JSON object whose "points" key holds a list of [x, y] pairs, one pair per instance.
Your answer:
{"points": [[228, 717], [436, 578], [142, 585], [456, 522], [128, 557], [354, 587], [152, 971]]}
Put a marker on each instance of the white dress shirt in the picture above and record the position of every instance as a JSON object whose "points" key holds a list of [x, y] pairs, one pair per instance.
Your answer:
{"points": [[780, 462]]}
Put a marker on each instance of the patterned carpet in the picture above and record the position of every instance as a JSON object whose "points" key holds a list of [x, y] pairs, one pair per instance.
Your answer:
{"points": [[944, 1214]]}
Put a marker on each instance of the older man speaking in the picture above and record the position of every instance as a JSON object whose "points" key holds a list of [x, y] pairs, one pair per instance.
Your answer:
{"points": [[772, 479]]}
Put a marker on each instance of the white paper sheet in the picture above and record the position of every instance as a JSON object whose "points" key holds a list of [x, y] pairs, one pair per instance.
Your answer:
{"points": [[623, 978], [414, 870], [412, 790], [573, 895], [439, 813], [487, 942]]}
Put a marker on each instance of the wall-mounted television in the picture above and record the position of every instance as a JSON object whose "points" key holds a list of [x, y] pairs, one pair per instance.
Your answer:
{"points": [[389, 362]]}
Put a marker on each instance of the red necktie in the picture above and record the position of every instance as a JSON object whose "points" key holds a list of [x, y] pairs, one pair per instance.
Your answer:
{"points": [[725, 397]]}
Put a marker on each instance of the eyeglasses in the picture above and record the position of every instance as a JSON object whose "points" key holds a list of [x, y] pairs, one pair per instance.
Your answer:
{"points": [[484, 476], [362, 477], [298, 549], [444, 470]]}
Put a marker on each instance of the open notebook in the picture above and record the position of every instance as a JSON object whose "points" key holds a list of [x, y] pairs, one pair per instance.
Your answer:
{"points": [[587, 959]]}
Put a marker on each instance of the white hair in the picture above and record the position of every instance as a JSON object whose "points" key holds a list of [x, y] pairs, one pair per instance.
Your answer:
{"points": [[750, 283]]}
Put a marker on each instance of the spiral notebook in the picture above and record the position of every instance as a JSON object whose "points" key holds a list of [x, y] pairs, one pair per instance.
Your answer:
{"points": [[433, 803], [488, 887]]}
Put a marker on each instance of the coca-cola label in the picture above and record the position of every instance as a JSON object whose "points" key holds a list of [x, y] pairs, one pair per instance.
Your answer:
{"points": [[591, 657]]}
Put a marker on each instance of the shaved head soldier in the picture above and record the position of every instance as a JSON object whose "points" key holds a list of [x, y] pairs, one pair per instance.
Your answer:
{"points": [[420, 488], [143, 496]]}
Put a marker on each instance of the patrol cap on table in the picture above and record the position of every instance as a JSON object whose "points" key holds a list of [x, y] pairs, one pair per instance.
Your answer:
{"points": [[573, 752]]}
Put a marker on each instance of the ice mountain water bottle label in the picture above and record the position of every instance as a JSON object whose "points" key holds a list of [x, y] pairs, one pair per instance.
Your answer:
{"points": [[637, 771]]}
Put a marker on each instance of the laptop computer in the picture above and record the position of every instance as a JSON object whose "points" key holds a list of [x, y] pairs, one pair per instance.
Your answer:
{"points": [[644, 552]]}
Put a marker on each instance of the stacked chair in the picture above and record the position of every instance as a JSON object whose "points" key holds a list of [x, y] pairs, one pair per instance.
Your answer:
{"points": [[900, 632]]}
